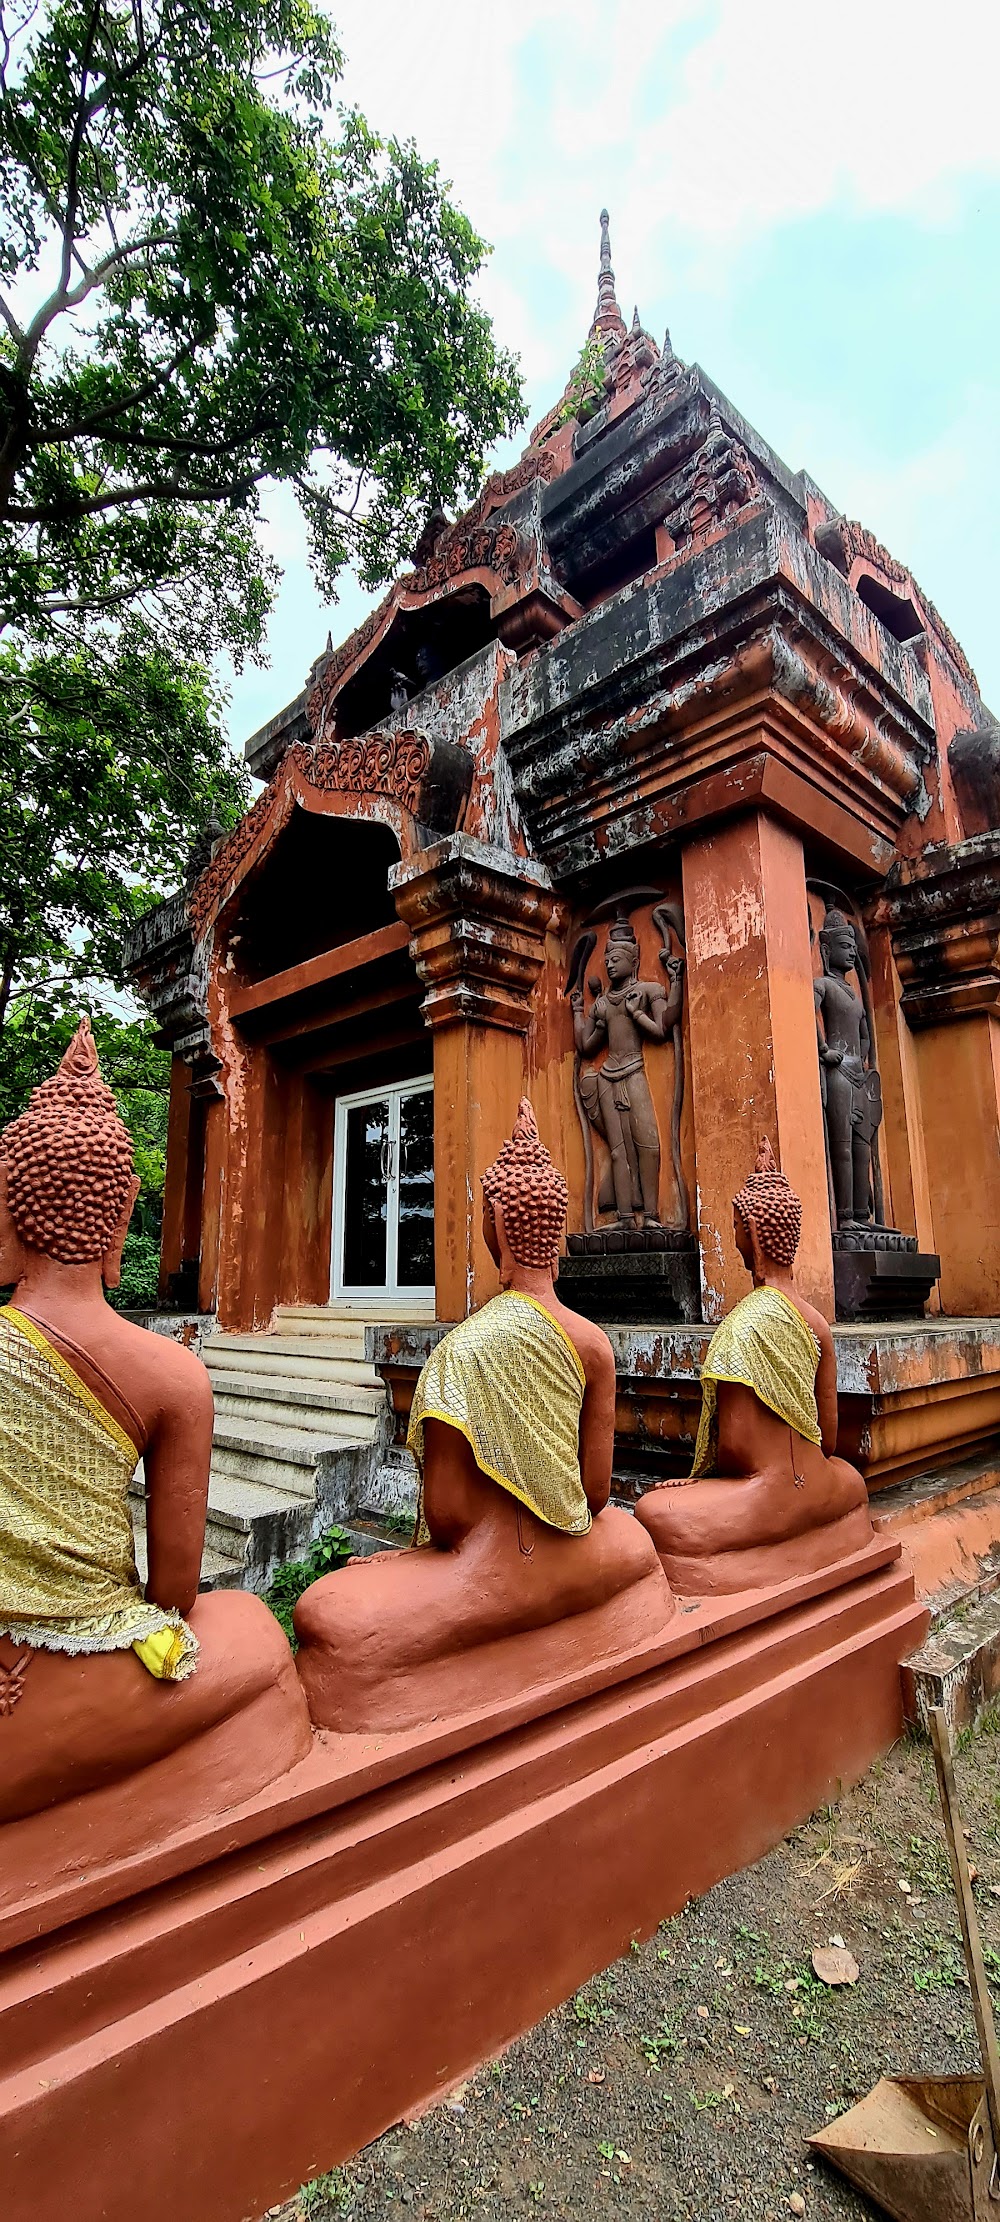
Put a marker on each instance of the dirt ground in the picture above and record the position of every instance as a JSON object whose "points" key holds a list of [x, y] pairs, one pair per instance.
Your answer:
{"points": [[682, 2082]]}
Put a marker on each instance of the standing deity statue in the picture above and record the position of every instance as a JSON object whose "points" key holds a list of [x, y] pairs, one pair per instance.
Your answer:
{"points": [[852, 1091], [618, 1101]]}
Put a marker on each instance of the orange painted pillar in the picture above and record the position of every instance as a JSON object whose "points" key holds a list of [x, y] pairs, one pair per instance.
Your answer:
{"points": [[754, 1065], [477, 919], [211, 1221], [176, 1183], [478, 1078], [958, 1067]]}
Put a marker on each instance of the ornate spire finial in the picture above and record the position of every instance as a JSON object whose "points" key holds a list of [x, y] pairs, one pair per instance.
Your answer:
{"points": [[608, 320]]}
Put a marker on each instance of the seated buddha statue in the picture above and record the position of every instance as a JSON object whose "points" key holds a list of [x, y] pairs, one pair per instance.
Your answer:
{"points": [[521, 1572], [766, 1498], [102, 1682]]}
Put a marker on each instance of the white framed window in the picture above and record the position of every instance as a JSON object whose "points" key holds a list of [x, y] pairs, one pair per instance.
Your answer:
{"points": [[383, 1193]]}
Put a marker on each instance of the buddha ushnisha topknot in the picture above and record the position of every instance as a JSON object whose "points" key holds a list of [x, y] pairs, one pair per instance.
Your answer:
{"points": [[530, 1191], [69, 1161], [770, 1201]]}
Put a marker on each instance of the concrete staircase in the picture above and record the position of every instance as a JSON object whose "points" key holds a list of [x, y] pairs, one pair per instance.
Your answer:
{"points": [[301, 1436]]}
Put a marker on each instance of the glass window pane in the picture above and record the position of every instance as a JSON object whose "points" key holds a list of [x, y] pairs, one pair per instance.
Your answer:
{"points": [[415, 1267], [365, 1195]]}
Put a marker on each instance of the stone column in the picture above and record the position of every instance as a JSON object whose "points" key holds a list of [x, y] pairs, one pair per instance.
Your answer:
{"points": [[754, 1066], [944, 915], [477, 917]]}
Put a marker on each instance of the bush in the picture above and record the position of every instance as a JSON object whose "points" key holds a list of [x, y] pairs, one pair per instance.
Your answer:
{"points": [[137, 1289], [330, 1550]]}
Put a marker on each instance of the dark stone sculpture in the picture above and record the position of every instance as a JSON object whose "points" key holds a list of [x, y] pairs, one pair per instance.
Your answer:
{"points": [[878, 1272], [852, 1091]]}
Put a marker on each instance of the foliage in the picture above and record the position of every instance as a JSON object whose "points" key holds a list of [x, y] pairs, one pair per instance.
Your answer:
{"points": [[108, 762], [209, 289], [585, 391], [207, 282], [330, 1550], [137, 1289], [324, 2194]]}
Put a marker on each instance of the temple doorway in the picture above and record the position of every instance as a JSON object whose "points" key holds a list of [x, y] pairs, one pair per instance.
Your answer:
{"points": [[383, 1201]]}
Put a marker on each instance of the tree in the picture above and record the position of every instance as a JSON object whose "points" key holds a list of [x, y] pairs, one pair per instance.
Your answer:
{"points": [[205, 291], [107, 761], [203, 287]]}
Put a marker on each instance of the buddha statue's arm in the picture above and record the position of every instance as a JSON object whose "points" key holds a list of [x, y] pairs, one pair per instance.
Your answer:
{"points": [[597, 1425], [177, 1459]]}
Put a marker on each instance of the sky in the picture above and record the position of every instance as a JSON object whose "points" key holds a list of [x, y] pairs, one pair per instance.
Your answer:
{"points": [[808, 195]]}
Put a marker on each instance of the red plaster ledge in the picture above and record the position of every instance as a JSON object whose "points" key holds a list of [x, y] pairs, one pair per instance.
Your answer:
{"points": [[457, 1889]]}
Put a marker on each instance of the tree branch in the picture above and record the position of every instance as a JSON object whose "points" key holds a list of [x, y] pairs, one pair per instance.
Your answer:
{"points": [[11, 322], [52, 435], [125, 497], [94, 277], [83, 115]]}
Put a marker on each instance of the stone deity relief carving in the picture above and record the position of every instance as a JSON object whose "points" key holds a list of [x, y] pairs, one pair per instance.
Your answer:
{"points": [[614, 1097], [851, 1087]]}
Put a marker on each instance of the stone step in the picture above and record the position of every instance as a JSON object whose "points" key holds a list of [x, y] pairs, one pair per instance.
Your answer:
{"points": [[333, 1408], [220, 1568], [287, 1355], [956, 1667], [948, 1521], [252, 1465], [253, 1525], [340, 1329]]}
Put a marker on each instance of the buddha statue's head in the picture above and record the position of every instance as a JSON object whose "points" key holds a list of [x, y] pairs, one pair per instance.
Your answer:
{"points": [[524, 1199], [767, 1215], [838, 942], [67, 1184], [621, 955]]}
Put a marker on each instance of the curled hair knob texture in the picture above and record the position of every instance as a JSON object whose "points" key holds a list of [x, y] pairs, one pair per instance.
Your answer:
{"points": [[530, 1192], [769, 1201], [69, 1161]]}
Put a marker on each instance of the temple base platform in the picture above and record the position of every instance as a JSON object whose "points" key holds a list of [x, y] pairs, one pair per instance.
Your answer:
{"points": [[198, 2027], [915, 1395]]}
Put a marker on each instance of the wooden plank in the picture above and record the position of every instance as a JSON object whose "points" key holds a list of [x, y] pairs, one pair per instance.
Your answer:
{"points": [[314, 972], [982, 2005]]}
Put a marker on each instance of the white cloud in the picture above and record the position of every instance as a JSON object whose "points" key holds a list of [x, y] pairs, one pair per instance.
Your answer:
{"points": [[705, 125]]}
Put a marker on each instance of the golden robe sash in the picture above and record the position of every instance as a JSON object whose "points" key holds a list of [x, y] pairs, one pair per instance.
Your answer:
{"points": [[510, 1380], [765, 1345], [68, 1579]]}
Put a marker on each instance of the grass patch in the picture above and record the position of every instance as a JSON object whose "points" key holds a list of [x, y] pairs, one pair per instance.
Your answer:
{"points": [[323, 2195]]}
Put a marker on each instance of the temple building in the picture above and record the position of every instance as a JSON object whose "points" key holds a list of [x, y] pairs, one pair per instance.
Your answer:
{"points": [[658, 790]]}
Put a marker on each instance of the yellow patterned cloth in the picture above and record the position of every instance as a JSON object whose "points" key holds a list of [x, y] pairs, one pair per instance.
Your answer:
{"points": [[510, 1380], [766, 1346], [68, 1579]]}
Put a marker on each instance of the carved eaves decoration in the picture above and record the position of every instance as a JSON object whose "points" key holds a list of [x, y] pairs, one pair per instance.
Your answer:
{"points": [[208, 890], [468, 547], [718, 480], [853, 548], [394, 764]]}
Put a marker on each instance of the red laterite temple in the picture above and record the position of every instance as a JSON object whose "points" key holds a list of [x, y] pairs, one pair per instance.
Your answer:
{"points": [[652, 716], [658, 793]]}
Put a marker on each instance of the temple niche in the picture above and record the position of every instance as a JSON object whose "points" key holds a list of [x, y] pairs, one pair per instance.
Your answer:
{"points": [[632, 1253]]}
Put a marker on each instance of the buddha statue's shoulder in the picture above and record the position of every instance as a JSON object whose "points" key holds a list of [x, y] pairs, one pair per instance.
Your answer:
{"points": [[508, 1324]]}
